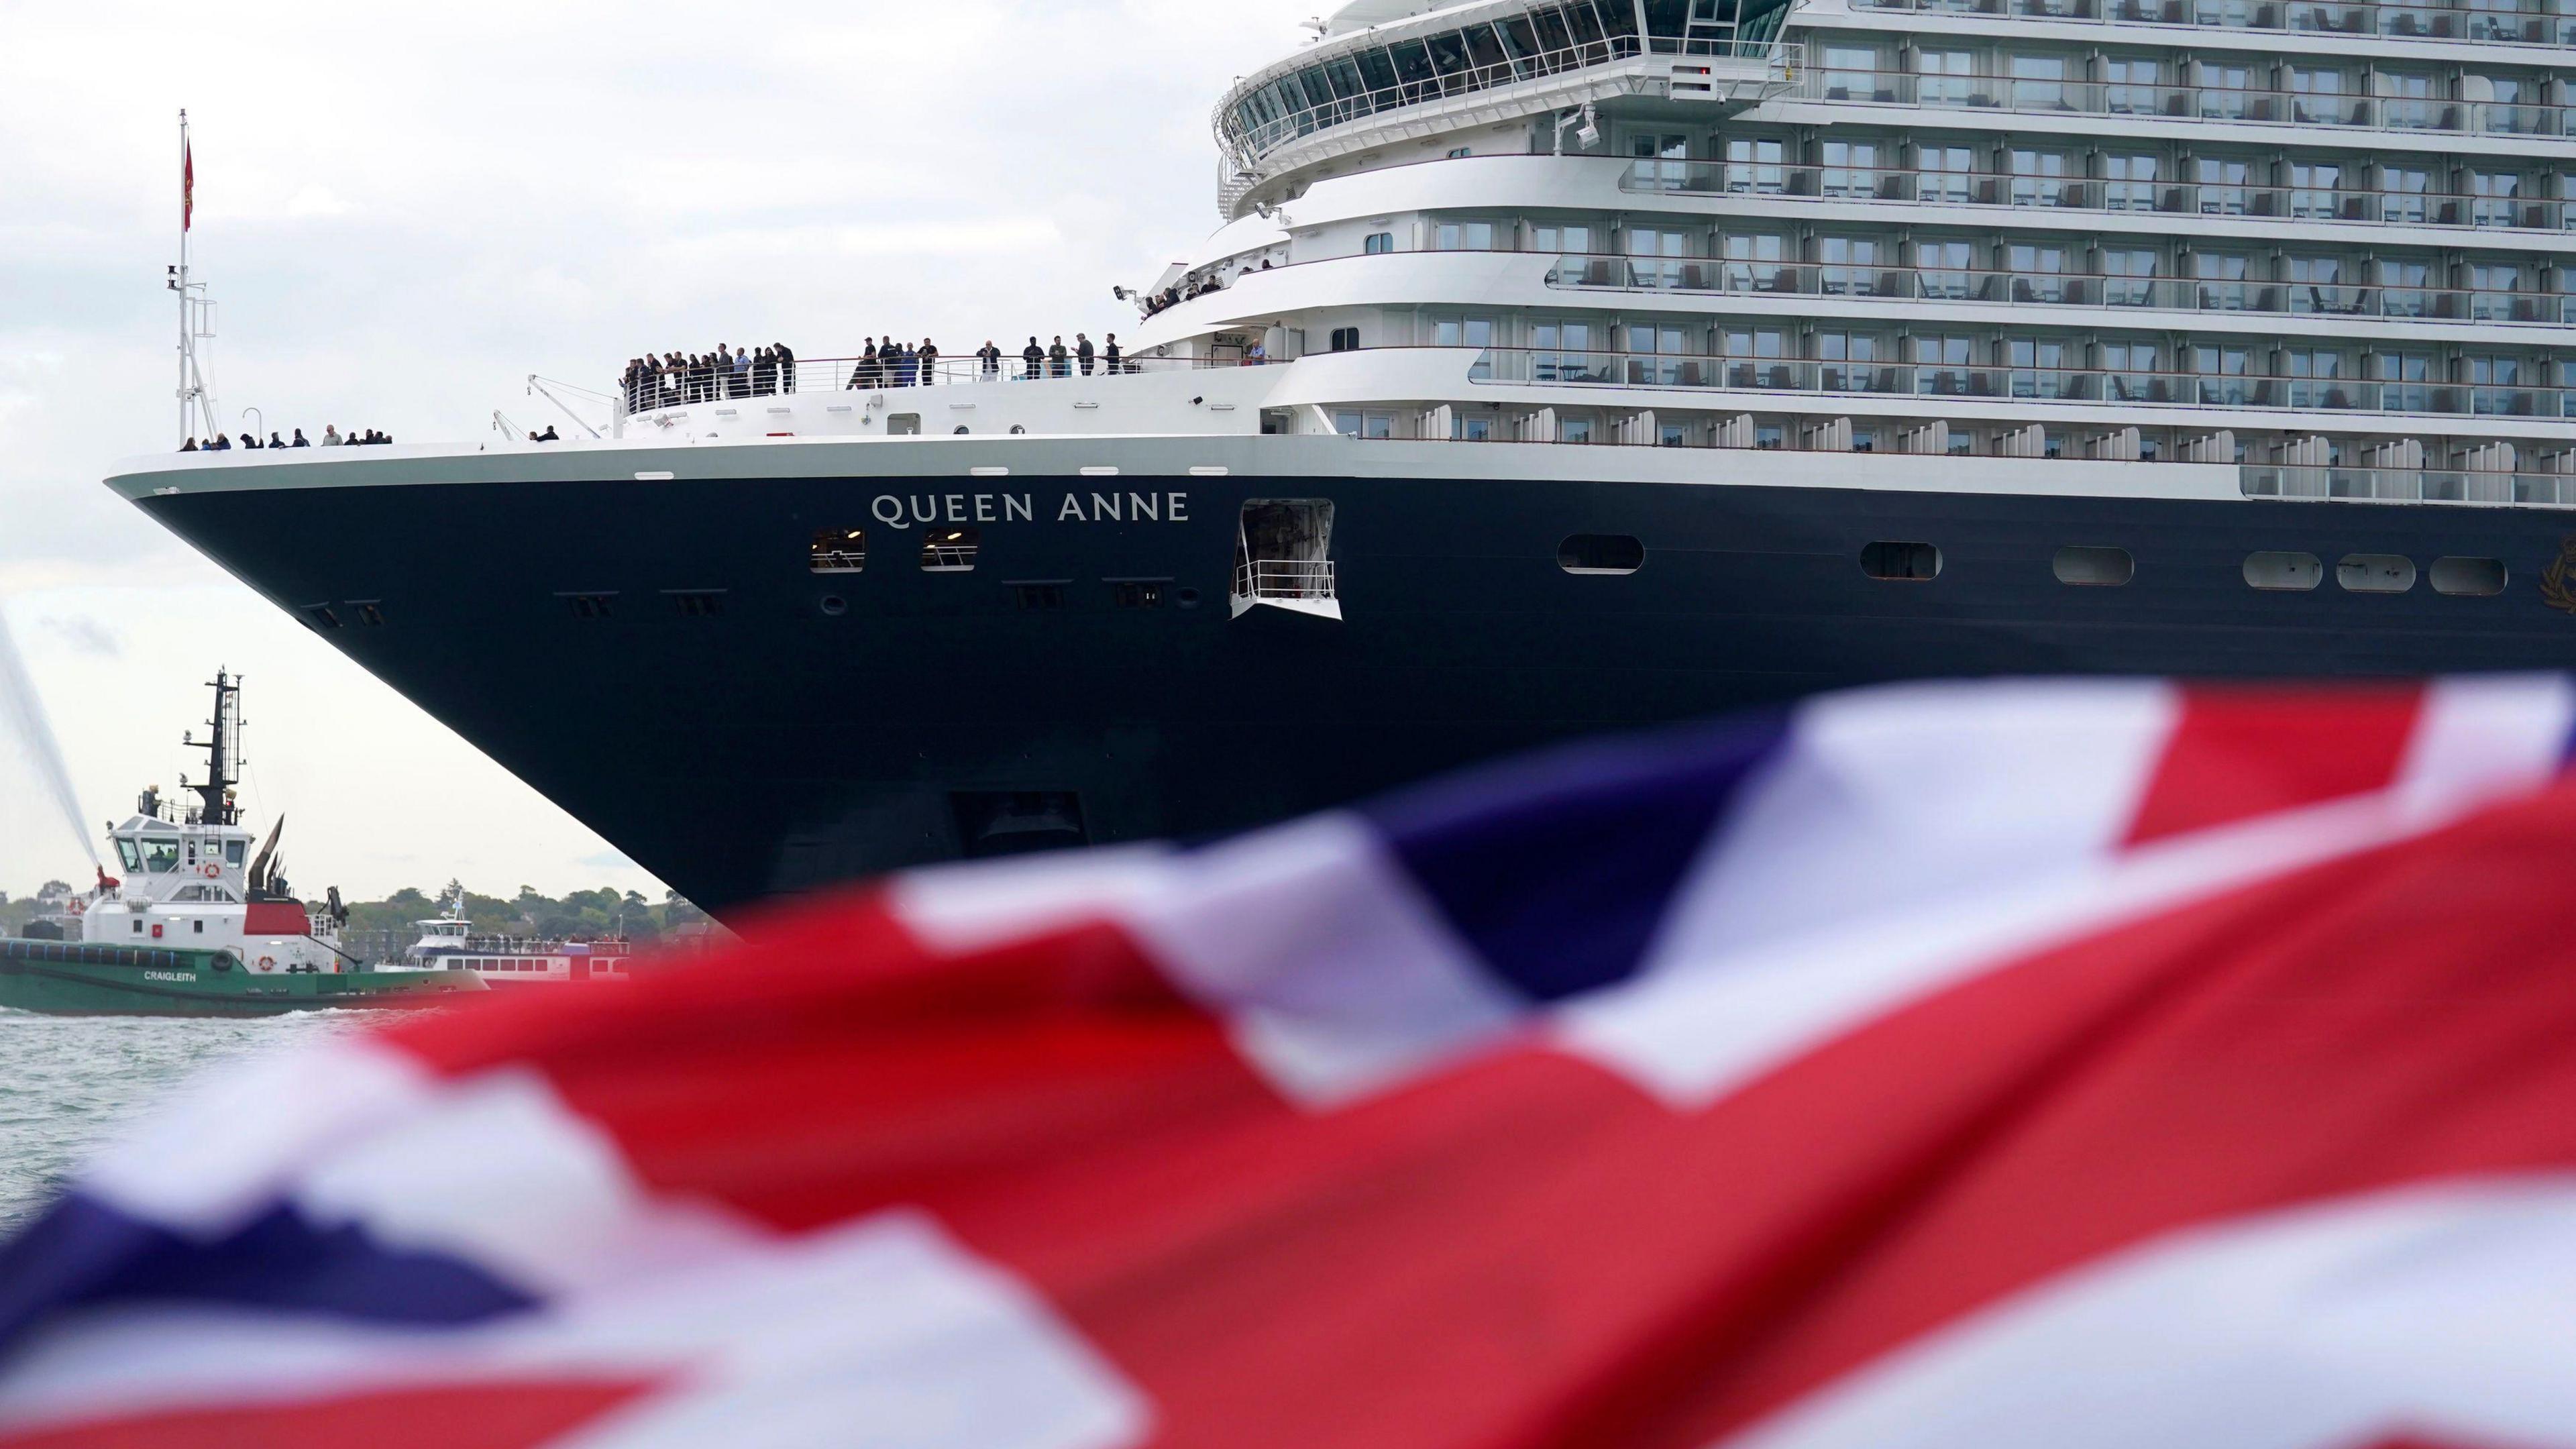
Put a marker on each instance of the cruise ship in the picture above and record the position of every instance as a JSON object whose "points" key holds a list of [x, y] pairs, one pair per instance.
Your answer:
{"points": [[1557, 366]]}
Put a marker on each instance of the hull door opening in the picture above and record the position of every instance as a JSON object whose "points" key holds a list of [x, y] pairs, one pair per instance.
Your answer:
{"points": [[1283, 558]]}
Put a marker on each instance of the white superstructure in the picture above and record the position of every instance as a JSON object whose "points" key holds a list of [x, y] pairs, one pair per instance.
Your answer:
{"points": [[2330, 243]]}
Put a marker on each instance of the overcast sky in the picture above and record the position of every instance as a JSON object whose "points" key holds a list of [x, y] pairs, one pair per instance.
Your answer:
{"points": [[405, 210]]}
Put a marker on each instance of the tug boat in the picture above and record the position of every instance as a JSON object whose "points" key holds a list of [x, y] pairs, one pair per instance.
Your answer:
{"points": [[203, 923], [448, 944]]}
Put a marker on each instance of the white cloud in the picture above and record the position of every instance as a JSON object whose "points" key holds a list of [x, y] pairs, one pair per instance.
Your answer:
{"points": [[407, 210]]}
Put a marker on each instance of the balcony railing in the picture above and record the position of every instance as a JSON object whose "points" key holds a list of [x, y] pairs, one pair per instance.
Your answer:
{"points": [[2024, 95], [2010, 382], [1597, 271], [2171, 197], [1284, 579], [2411, 485], [2548, 25], [844, 374]]}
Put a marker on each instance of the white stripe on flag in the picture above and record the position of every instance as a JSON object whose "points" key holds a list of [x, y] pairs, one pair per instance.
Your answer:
{"points": [[1699, 1029], [2435, 1313], [2481, 738], [888, 1335], [1889, 800], [497, 1171], [224, 1148], [1334, 974]]}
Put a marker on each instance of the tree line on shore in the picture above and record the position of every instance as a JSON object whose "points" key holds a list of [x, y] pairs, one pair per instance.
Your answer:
{"points": [[580, 915]]}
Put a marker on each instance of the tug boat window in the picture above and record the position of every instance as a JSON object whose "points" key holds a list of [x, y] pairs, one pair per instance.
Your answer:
{"points": [[2375, 573], [2284, 572], [234, 851], [1901, 562], [1601, 553], [840, 551], [949, 550], [160, 857], [2095, 568], [2469, 578], [131, 854], [1283, 556]]}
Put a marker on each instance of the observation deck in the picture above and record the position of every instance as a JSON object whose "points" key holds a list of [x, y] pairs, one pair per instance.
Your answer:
{"points": [[1499, 61]]}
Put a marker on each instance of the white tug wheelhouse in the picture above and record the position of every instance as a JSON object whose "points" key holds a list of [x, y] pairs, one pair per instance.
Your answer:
{"points": [[197, 879]]}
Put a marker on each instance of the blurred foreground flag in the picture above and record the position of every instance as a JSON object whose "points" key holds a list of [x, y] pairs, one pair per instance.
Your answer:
{"points": [[2020, 1065]]}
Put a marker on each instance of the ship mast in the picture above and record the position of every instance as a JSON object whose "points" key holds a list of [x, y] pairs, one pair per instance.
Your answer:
{"points": [[223, 755], [196, 313]]}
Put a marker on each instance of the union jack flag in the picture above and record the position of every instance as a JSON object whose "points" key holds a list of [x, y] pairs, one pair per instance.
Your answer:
{"points": [[2093, 1065]]}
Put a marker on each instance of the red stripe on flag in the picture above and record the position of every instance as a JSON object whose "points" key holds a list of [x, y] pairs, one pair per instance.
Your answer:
{"points": [[1528, 1251], [479, 1416], [2236, 755]]}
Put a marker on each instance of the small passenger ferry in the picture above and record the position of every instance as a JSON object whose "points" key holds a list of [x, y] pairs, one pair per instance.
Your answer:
{"points": [[449, 944]]}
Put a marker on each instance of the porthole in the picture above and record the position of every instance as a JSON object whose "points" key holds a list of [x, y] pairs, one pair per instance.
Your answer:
{"points": [[834, 606], [1901, 562], [961, 430], [1601, 553], [1187, 598], [2470, 578], [2294, 573], [2375, 573], [2095, 568]]}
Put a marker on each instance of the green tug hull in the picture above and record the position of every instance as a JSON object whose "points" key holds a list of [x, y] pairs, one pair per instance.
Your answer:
{"points": [[63, 978]]}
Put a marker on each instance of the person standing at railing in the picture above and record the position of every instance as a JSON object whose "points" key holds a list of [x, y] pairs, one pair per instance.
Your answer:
{"points": [[991, 357], [786, 366], [1059, 359], [929, 360], [299, 440], [331, 435], [741, 373], [1084, 352], [908, 366], [1033, 359], [1109, 354]]}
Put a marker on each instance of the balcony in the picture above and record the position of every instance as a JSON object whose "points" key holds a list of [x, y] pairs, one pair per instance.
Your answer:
{"points": [[2411, 485], [1918, 187], [1723, 278], [2554, 25], [2234, 390], [2022, 96]]}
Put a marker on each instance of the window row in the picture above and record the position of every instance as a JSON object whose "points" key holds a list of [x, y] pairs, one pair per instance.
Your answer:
{"points": [[2107, 174], [2511, 22], [2101, 566], [2305, 90]]}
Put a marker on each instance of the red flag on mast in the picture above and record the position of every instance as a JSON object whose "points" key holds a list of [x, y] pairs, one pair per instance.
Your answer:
{"points": [[187, 186]]}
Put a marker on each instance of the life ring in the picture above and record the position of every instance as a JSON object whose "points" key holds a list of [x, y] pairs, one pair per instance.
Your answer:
{"points": [[267, 963], [211, 872]]}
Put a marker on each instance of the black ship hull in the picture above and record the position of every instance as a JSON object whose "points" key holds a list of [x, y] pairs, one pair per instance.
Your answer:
{"points": [[661, 659]]}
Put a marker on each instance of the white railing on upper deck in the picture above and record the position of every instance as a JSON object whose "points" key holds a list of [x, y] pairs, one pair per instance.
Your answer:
{"points": [[1284, 579], [689, 387], [1257, 120], [2552, 22], [2143, 100]]}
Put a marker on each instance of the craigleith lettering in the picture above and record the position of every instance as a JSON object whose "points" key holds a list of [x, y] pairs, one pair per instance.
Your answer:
{"points": [[923, 510]]}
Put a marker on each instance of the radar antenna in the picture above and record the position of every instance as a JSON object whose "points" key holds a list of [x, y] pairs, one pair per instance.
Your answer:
{"points": [[223, 754]]}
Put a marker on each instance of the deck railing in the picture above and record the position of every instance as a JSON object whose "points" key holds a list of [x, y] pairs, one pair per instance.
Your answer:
{"points": [[2029, 95], [2236, 388], [2319, 298], [846, 374], [1284, 579], [2231, 196], [2553, 24], [2410, 485]]}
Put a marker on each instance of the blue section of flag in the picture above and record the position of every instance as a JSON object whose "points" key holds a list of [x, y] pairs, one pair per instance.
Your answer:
{"points": [[1559, 870], [85, 1253]]}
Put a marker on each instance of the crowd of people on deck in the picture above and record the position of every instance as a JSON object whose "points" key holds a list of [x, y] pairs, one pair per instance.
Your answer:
{"points": [[331, 438], [676, 378]]}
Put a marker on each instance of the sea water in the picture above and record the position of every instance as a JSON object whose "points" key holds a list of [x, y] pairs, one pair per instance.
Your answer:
{"points": [[66, 1083]]}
